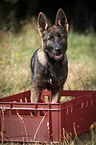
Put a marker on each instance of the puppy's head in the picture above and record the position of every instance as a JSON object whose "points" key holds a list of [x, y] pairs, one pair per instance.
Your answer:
{"points": [[54, 39]]}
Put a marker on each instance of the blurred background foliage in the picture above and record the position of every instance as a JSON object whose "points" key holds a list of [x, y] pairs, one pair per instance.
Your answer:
{"points": [[81, 13]]}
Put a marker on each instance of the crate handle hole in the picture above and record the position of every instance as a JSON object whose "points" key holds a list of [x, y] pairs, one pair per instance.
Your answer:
{"points": [[46, 99]]}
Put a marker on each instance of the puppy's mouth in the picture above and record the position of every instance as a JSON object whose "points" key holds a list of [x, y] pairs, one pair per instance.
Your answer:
{"points": [[58, 56]]}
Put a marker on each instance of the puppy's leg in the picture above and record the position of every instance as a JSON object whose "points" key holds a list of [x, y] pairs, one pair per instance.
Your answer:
{"points": [[35, 94], [56, 96]]}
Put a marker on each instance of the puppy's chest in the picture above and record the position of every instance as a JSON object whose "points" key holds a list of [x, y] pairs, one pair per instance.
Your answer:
{"points": [[52, 74]]}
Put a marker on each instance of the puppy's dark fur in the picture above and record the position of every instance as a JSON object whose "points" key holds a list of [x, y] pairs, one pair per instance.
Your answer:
{"points": [[49, 63]]}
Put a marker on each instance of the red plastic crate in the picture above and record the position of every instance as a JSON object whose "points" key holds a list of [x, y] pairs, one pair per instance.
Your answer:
{"points": [[52, 122]]}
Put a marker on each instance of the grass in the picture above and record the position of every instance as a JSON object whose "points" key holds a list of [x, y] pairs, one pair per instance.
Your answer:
{"points": [[16, 50], [81, 54]]}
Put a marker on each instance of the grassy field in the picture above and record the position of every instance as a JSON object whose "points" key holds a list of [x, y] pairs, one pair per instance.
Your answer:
{"points": [[16, 50]]}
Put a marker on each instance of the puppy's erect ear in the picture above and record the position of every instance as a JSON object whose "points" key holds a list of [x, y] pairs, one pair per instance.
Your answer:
{"points": [[42, 23], [61, 20]]}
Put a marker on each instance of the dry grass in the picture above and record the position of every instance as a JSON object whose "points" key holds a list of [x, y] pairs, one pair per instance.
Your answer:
{"points": [[16, 51], [81, 56]]}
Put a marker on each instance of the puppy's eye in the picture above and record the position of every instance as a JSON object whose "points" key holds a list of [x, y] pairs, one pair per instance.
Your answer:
{"points": [[50, 38], [60, 35]]}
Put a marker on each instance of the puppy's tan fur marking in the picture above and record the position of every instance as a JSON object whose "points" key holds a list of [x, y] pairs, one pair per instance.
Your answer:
{"points": [[42, 57]]}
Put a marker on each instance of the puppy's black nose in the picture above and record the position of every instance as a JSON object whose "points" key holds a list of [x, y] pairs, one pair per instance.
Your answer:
{"points": [[58, 49]]}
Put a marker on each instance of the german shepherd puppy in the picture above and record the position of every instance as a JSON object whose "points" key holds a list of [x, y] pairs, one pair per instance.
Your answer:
{"points": [[49, 63]]}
